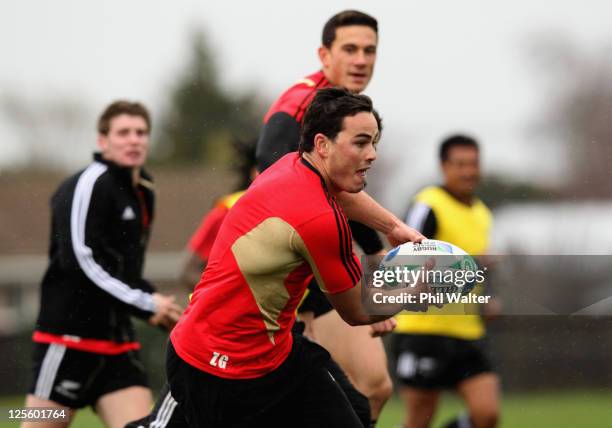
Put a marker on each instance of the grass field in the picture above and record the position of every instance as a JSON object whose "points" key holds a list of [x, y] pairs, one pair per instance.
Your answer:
{"points": [[576, 409]]}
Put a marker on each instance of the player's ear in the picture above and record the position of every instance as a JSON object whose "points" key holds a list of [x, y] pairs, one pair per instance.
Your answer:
{"points": [[444, 167], [102, 142], [324, 56], [321, 145]]}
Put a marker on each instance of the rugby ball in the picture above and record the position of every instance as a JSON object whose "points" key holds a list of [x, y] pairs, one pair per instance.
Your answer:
{"points": [[454, 270]]}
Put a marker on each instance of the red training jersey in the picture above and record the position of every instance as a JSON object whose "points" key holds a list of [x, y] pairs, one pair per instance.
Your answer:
{"points": [[204, 237], [282, 230], [295, 100]]}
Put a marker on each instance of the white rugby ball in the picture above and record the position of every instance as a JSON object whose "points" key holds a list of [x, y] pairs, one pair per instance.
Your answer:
{"points": [[450, 272]]}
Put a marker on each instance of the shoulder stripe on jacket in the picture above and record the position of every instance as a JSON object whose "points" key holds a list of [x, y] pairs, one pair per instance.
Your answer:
{"points": [[84, 254], [417, 216]]}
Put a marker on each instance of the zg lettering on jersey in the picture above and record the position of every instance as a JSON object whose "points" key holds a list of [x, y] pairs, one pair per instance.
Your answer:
{"points": [[219, 360]]}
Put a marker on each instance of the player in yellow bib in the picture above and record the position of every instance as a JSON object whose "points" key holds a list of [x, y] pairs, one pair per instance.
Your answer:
{"points": [[443, 348]]}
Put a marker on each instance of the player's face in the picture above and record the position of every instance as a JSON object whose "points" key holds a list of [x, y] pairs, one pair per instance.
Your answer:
{"points": [[462, 170], [127, 141], [352, 152], [349, 62]]}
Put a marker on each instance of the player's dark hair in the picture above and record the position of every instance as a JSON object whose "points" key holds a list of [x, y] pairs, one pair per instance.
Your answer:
{"points": [[327, 111], [344, 19], [118, 108], [457, 140], [244, 160]]}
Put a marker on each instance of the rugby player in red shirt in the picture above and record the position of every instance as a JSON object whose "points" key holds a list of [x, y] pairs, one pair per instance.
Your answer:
{"points": [[347, 55], [232, 360]]}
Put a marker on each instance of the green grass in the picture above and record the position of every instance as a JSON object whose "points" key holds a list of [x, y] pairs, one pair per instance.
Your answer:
{"points": [[575, 409], [572, 409]]}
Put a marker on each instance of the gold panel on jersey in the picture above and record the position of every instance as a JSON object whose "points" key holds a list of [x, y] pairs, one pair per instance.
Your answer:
{"points": [[265, 257], [301, 248], [306, 82]]}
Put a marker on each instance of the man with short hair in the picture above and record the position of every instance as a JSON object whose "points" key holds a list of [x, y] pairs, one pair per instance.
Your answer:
{"points": [[85, 350], [444, 347], [347, 53], [233, 360]]}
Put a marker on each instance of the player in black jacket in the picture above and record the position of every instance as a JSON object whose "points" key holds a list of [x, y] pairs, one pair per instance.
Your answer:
{"points": [[85, 350]]}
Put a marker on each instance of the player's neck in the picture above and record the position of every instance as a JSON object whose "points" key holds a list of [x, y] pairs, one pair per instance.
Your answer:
{"points": [[464, 198], [317, 163], [135, 176], [326, 73]]}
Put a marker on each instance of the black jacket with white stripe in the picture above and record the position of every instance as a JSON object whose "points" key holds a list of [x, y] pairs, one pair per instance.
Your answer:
{"points": [[99, 233]]}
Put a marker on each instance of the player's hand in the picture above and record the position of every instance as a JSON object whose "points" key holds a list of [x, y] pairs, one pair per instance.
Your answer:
{"points": [[403, 233], [167, 311], [417, 290], [422, 287], [381, 328]]}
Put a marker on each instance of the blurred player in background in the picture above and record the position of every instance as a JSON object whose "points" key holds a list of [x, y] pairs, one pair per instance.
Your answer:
{"points": [[436, 350], [233, 361], [85, 351], [201, 241], [347, 55]]}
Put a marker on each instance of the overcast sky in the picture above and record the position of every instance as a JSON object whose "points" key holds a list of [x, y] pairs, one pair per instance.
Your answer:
{"points": [[442, 66]]}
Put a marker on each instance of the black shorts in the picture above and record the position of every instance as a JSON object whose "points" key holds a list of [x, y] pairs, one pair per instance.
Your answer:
{"points": [[76, 379], [167, 414], [438, 362], [299, 393], [315, 301]]}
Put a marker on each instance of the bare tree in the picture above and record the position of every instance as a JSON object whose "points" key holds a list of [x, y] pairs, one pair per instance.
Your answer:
{"points": [[54, 131], [579, 111], [202, 117]]}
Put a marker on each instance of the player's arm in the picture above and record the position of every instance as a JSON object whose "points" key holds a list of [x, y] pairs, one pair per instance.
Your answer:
{"points": [[280, 135], [90, 216], [200, 245], [349, 306], [193, 266], [362, 208], [325, 242], [491, 310]]}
